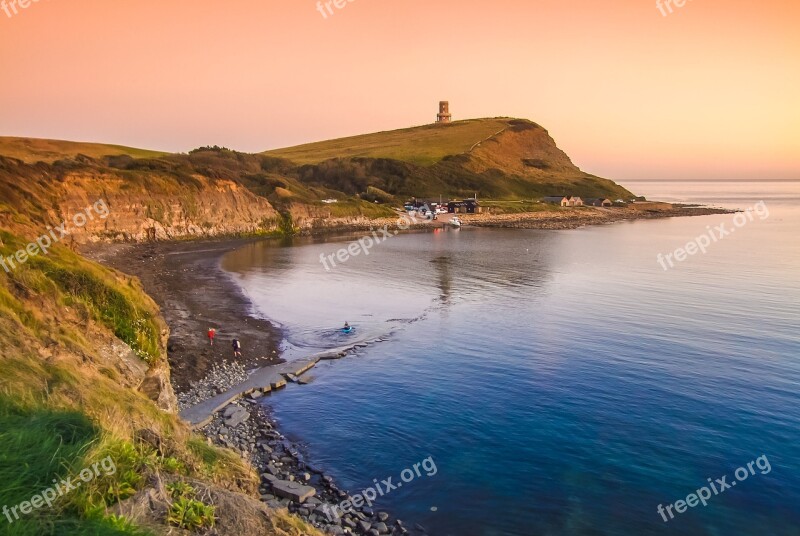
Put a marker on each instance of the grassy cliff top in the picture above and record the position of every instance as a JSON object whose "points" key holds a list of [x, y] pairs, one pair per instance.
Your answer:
{"points": [[422, 145], [32, 150]]}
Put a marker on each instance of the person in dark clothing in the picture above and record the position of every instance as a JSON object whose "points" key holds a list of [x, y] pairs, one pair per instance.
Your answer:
{"points": [[237, 348]]}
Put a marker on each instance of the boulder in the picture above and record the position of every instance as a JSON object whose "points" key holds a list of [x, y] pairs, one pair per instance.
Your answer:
{"points": [[292, 490], [237, 418], [230, 410]]}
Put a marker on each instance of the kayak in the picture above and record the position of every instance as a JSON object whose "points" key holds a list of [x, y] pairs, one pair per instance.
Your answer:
{"points": [[348, 330]]}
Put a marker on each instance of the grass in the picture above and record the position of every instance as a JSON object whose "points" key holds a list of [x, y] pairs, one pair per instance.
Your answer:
{"points": [[64, 408], [33, 150], [354, 208], [424, 145], [94, 290], [37, 447], [518, 207]]}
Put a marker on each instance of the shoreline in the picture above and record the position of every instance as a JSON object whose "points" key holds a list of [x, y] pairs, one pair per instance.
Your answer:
{"points": [[231, 396], [575, 218], [194, 292]]}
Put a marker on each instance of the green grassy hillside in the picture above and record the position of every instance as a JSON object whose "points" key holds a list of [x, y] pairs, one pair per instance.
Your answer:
{"points": [[424, 145], [220, 191], [40, 150], [499, 158]]}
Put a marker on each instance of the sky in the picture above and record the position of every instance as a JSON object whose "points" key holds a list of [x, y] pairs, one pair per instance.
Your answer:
{"points": [[710, 90]]}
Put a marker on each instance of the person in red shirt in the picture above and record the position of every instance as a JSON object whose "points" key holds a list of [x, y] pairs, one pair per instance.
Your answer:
{"points": [[211, 334]]}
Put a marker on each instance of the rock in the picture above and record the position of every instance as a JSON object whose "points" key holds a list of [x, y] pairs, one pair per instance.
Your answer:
{"points": [[364, 526], [293, 490], [383, 516], [278, 384], [237, 418], [255, 395], [382, 528], [230, 410], [367, 511]]}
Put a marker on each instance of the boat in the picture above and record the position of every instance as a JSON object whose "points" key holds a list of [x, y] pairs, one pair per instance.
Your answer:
{"points": [[348, 329], [455, 222]]}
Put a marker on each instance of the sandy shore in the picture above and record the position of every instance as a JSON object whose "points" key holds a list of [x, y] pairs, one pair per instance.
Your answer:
{"points": [[194, 293]]}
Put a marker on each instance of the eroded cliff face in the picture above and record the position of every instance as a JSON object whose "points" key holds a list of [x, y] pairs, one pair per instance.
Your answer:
{"points": [[93, 205], [524, 148], [162, 210]]}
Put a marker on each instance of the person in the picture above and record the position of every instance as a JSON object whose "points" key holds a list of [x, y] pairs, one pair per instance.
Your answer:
{"points": [[211, 334], [237, 348], [346, 326]]}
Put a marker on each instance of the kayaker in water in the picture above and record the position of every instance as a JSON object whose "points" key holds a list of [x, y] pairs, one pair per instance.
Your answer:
{"points": [[346, 326]]}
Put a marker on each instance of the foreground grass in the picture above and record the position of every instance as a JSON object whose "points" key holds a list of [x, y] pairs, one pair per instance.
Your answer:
{"points": [[64, 406], [40, 446]]}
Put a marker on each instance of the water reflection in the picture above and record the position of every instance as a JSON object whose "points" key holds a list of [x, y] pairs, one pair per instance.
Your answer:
{"points": [[397, 282]]}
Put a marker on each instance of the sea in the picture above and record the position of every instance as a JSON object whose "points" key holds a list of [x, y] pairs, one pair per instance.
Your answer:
{"points": [[555, 383]]}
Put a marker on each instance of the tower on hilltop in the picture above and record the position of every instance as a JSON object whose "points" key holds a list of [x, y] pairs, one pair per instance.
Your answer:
{"points": [[444, 113]]}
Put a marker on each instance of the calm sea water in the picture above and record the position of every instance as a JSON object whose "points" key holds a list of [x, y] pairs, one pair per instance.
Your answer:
{"points": [[562, 381]]}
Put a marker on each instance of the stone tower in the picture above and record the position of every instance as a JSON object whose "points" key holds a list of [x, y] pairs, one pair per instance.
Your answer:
{"points": [[444, 113]]}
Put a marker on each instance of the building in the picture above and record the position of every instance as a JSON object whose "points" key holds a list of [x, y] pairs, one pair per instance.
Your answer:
{"points": [[564, 201], [444, 113], [467, 206], [597, 202]]}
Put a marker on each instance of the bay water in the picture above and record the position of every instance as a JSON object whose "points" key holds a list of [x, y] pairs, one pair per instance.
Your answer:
{"points": [[561, 382]]}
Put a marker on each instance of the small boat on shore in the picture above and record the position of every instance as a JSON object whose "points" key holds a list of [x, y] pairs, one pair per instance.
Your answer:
{"points": [[455, 222]]}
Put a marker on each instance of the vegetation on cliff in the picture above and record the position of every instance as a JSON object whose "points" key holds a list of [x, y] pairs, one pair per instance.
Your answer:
{"points": [[216, 191], [82, 348]]}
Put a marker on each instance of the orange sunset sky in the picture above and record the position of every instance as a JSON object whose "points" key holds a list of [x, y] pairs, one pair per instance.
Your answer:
{"points": [[711, 90]]}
